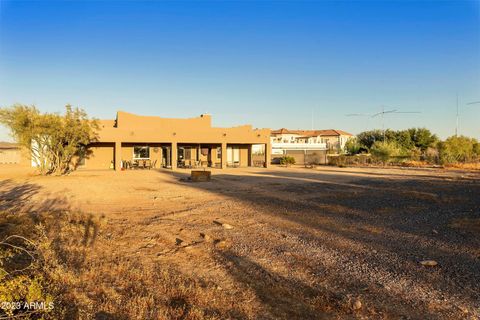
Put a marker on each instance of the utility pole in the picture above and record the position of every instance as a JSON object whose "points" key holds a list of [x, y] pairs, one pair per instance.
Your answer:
{"points": [[458, 114], [383, 123], [456, 126], [312, 119]]}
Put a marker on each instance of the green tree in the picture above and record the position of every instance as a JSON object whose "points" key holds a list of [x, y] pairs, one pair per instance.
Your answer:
{"points": [[53, 140], [368, 138], [422, 138], [404, 140]]}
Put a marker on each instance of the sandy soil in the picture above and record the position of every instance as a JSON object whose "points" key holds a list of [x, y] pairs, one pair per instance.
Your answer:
{"points": [[305, 243]]}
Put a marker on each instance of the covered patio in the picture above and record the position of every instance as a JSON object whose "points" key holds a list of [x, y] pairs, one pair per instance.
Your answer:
{"points": [[148, 155]]}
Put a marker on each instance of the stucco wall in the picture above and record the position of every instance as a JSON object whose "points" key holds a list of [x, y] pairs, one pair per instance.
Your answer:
{"points": [[101, 156]]}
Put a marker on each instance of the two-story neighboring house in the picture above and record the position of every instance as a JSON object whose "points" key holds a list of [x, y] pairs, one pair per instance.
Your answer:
{"points": [[307, 146]]}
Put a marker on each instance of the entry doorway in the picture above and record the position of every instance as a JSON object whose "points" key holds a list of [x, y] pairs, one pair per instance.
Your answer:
{"points": [[233, 156]]}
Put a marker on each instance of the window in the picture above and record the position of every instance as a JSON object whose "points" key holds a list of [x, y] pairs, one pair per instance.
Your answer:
{"points": [[140, 152]]}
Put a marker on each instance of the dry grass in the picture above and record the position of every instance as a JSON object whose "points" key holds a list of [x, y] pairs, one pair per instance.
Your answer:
{"points": [[415, 164], [465, 166], [306, 244], [90, 280]]}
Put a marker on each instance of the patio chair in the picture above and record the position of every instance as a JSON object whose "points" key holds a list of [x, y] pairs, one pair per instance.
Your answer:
{"points": [[135, 164], [154, 163], [147, 164]]}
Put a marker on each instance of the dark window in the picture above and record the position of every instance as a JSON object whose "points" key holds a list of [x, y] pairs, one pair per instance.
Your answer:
{"points": [[141, 152]]}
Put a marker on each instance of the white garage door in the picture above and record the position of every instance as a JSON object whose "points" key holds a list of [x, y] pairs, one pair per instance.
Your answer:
{"points": [[9, 156]]}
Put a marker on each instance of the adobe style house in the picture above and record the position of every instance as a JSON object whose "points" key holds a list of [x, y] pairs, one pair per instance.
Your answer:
{"points": [[307, 146], [172, 143]]}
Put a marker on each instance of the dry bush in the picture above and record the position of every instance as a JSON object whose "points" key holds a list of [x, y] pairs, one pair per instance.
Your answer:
{"points": [[86, 278], [415, 164], [466, 166]]}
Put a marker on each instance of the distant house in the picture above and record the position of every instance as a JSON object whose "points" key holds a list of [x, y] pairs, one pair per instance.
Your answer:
{"points": [[10, 153], [307, 146]]}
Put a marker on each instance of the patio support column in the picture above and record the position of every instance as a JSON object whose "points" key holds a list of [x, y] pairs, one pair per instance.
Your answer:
{"points": [[224, 155], [268, 157], [174, 155], [118, 156]]}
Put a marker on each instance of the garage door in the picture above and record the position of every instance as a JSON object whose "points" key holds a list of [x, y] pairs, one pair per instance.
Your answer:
{"points": [[8, 156]]}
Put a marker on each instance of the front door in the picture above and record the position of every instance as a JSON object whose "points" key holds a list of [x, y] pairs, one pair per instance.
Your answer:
{"points": [[233, 156]]}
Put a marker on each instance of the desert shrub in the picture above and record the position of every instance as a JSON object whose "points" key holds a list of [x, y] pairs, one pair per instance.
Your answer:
{"points": [[353, 146], [413, 143], [458, 149], [76, 268], [345, 160], [25, 291], [287, 160], [386, 151]]}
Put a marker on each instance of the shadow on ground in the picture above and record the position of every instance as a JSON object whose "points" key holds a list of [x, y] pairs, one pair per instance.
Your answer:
{"points": [[378, 229]]}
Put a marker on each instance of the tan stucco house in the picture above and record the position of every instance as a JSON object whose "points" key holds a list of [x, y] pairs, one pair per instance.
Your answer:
{"points": [[171, 143]]}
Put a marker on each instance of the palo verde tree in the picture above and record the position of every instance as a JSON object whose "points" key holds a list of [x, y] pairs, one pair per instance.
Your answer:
{"points": [[52, 139]]}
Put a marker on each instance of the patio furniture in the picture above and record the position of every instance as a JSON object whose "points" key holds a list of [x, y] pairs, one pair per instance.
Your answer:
{"points": [[147, 164], [135, 164], [258, 163], [154, 163]]}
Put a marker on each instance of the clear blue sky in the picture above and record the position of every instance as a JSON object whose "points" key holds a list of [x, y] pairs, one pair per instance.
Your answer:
{"points": [[270, 64]]}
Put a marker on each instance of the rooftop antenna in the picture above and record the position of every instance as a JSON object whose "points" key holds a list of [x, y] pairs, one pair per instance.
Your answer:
{"points": [[389, 111], [365, 115]]}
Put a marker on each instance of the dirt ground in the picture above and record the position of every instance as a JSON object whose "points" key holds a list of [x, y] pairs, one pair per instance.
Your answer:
{"points": [[306, 243]]}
